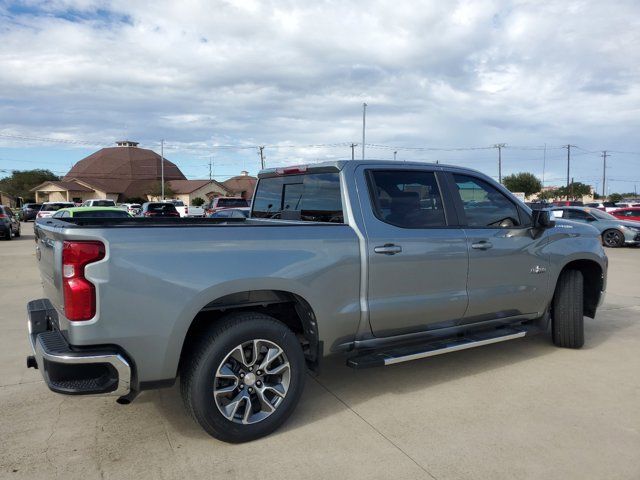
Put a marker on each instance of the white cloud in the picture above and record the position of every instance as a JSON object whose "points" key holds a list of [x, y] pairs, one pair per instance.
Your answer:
{"points": [[434, 73]]}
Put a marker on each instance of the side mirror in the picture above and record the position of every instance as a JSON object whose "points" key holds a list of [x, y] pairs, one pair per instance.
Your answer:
{"points": [[543, 219]]}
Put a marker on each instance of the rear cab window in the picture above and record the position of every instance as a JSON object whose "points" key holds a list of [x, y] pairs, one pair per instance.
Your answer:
{"points": [[311, 197], [54, 207], [161, 207]]}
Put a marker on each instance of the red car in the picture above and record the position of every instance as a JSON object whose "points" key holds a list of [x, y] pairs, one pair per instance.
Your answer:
{"points": [[630, 213]]}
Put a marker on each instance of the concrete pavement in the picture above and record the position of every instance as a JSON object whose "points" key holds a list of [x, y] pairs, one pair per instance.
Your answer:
{"points": [[519, 409]]}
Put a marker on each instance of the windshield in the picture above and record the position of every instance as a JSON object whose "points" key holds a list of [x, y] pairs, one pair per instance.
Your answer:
{"points": [[103, 203], [54, 207], [101, 214], [232, 202], [599, 214]]}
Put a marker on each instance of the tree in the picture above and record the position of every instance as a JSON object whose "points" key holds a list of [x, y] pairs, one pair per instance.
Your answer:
{"points": [[615, 197], [548, 195], [156, 190], [574, 191], [21, 182], [197, 202], [523, 182]]}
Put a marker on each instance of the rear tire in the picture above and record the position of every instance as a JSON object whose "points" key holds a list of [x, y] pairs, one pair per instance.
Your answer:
{"points": [[568, 315], [214, 359], [613, 238]]}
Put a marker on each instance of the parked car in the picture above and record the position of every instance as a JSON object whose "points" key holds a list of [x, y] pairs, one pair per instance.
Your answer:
{"points": [[567, 203], [132, 208], [29, 211], [220, 203], [91, 212], [158, 209], [387, 262], [196, 211], [98, 202], [181, 208], [231, 213], [49, 208], [631, 214], [614, 232], [601, 205], [9, 223]]}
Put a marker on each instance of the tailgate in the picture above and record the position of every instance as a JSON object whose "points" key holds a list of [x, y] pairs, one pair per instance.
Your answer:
{"points": [[49, 258]]}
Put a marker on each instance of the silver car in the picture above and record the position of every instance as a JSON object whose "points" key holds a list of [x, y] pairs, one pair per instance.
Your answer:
{"points": [[614, 232]]}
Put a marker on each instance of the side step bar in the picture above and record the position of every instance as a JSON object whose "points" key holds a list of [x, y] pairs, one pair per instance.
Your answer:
{"points": [[405, 353]]}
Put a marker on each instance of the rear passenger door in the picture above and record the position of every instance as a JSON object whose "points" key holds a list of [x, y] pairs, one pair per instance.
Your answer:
{"points": [[507, 263], [417, 253]]}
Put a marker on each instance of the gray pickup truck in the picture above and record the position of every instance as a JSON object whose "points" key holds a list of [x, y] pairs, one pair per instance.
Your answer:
{"points": [[383, 262]]}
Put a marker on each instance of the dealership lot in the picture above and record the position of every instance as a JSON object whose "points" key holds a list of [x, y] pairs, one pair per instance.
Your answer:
{"points": [[520, 409]]}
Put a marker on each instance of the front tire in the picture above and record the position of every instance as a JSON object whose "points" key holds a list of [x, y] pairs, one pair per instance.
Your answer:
{"points": [[613, 238], [244, 378], [568, 314]]}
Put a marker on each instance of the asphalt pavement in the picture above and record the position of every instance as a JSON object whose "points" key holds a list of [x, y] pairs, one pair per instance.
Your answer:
{"points": [[522, 409]]}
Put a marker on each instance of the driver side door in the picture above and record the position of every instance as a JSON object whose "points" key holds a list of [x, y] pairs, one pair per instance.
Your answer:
{"points": [[508, 268]]}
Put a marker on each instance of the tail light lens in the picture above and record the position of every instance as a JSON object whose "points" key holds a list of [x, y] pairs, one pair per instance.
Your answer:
{"points": [[79, 293], [2, 215], [186, 210]]}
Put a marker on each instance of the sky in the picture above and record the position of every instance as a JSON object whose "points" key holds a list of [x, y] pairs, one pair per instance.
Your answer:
{"points": [[443, 81]]}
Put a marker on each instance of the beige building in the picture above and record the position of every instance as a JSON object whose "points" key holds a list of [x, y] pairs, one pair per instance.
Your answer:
{"points": [[188, 190]]}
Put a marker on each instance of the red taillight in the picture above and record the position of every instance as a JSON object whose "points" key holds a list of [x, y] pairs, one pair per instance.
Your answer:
{"points": [[186, 210], [79, 293], [2, 215]]}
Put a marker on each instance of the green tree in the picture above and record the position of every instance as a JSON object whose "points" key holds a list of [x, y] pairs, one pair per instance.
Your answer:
{"points": [[574, 191], [197, 202], [156, 190], [615, 197], [548, 195], [523, 182], [21, 182]]}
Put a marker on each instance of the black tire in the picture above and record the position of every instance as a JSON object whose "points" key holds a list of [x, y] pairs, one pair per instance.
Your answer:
{"points": [[17, 234], [613, 238], [568, 315], [9, 235], [198, 374]]}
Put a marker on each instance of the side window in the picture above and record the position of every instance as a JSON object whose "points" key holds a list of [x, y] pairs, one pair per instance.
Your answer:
{"points": [[407, 198], [578, 215], [484, 205]]}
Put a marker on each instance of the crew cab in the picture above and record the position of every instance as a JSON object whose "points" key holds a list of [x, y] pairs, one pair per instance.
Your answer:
{"points": [[382, 262]]}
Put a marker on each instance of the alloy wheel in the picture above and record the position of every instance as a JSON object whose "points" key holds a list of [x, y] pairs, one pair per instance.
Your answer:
{"points": [[252, 381]]}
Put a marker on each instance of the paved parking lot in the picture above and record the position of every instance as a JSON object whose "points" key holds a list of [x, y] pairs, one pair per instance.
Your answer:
{"points": [[519, 409]]}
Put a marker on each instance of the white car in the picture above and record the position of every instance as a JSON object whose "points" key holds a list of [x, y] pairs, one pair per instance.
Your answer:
{"points": [[131, 208], [49, 208], [195, 211], [98, 202]]}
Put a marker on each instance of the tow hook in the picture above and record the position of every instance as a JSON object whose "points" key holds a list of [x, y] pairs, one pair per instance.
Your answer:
{"points": [[31, 362]]}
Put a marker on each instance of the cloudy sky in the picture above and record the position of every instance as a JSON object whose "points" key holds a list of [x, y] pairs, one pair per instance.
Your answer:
{"points": [[292, 75]]}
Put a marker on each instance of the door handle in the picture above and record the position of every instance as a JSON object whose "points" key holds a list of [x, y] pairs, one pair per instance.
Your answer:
{"points": [[482, 245], [388, 249]]}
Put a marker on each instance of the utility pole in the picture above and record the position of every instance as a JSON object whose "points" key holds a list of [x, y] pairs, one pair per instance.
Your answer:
{"points": [[262, 156], [500, 146], [604, 172], [395, 154], [544, 162], [568, 147], [210, 166], [364, 123], [353, 151], [162, 168]]}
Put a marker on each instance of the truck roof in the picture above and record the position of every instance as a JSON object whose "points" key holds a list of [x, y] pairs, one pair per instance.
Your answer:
{"points": [[338, 165]]}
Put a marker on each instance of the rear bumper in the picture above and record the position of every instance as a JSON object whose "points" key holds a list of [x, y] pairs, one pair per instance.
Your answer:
{"points": [[69, 370]]}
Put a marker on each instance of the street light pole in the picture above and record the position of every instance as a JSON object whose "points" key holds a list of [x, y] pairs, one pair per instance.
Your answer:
{"points": [[162, 168]]}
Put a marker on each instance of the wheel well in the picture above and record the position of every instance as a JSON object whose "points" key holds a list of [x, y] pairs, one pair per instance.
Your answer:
{"points": [[592, 285], [287, 307]]}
